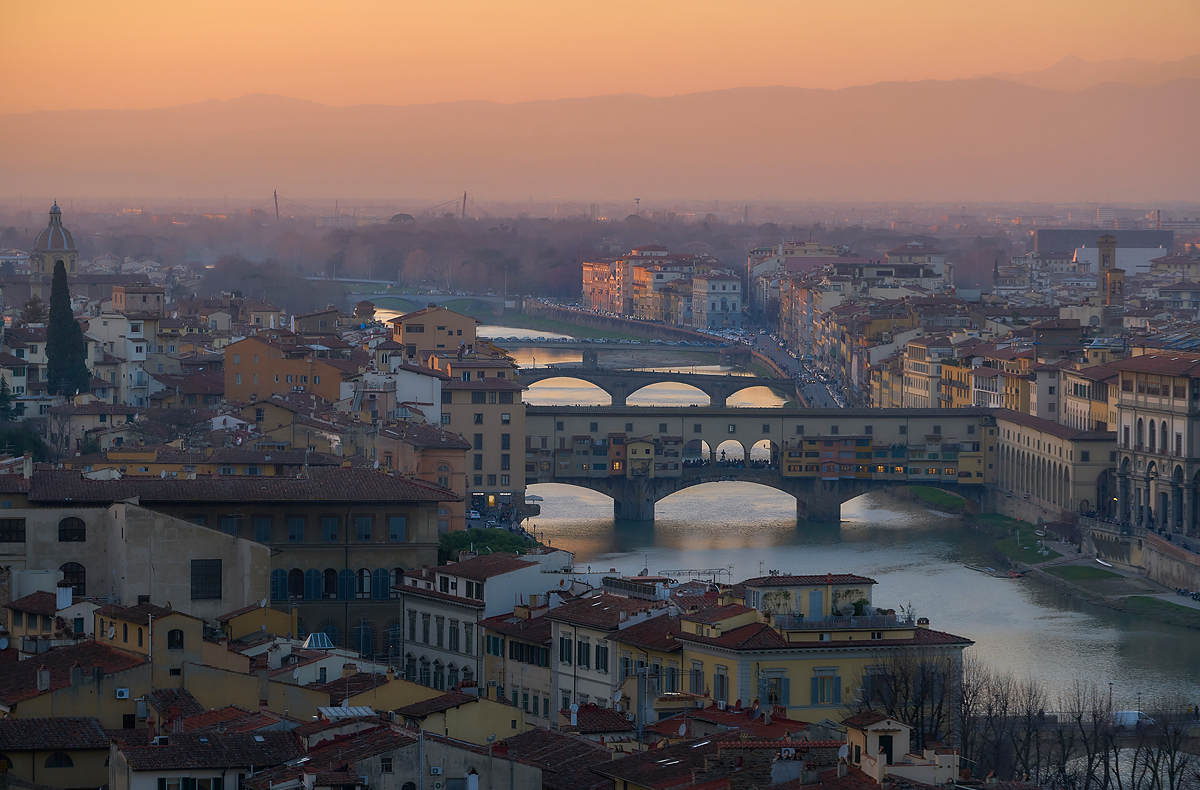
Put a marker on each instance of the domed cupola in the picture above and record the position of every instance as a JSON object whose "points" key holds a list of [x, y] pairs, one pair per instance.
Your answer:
{"points": [[55, 243]]}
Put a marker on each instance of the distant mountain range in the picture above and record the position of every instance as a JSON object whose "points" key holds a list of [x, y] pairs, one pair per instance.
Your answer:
{"points": [[1076, 74], [975, 139]]}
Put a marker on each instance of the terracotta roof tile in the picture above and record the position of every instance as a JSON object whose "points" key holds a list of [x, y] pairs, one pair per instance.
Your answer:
{"points": [[566, 760], [40, 602], [51, 733], [593, 720], [604, 611], [19, 682], [424, 708], [162, 700], [758, 636], [528, 629], [479, 568], [215, 750], [343, 688], [657, 633]]}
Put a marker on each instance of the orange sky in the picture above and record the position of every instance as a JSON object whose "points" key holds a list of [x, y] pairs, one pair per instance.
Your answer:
{"points": [[78, 54]]}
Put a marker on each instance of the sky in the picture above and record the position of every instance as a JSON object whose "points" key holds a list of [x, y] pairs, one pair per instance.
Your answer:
{"points": [[80, 54]]}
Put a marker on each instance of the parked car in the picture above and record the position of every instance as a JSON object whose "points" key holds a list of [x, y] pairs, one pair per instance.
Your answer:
{"points": [[1131, 719], [473, 514]]}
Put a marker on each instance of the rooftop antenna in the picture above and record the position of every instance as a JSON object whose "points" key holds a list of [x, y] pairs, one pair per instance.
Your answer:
{"points": [[463, 214], [276, 205], [638, 204]]}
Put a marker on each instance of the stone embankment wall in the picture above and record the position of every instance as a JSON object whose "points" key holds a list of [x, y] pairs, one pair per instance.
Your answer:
{"points": [[1144, 552]]}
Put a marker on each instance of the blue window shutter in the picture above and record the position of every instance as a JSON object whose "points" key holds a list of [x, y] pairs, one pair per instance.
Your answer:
{"points": [[837, 690], [815, 693], [312, 584], [786, 692], [379, 584], [279, 585], [345, 584]]}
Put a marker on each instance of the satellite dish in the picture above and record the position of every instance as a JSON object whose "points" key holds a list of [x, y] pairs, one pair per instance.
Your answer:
{"points": [[3, 642], [262, 604], [843, 751], [616, 696], [296, 673], [163, 474], [682, 730], [111, 632]]}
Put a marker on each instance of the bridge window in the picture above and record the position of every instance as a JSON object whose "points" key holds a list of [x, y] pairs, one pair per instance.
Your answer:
{"points": [[662, 427], [833, 430], [594, 427], [903, 430], [558, 426], [697, 428], [868, 430], [732, 428], [628, 427], [799, 430]]}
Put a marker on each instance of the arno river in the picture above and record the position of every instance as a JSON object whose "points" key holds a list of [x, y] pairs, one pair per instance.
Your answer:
{"points": [[917, 557]]}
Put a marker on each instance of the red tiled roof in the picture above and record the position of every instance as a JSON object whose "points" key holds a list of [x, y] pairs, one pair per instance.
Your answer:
{"points": [[717, 613], [425, 435], [528, 629], [566, 760], [1164, 364], [40, 602], [230, 719], [421, 709], [343, 688], [215, 750], [1052, 428], [758, 636], [162, 700], [603, 611], [864, 719], [50, 734], [338, 754], [19, 682], [141, 613], [593, 720], [657, 633]]}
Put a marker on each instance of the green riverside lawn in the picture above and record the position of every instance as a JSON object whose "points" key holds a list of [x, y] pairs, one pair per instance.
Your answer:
{"points": [[1162, 611], [1080, 573]]}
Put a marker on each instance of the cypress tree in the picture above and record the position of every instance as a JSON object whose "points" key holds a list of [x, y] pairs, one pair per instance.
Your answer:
{"points": [[66, 353]]}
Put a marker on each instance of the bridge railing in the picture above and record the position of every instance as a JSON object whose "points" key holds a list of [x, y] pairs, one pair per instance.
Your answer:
{"points": [[798, 623]]}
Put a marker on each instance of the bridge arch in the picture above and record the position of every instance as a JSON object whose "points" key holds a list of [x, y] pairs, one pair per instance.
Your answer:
{"points": [[740, 397], [645, 396], [581, 392]]}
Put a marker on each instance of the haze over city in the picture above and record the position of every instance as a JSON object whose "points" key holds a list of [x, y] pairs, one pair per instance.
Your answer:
{"points": [[930, 100], [600, 395]]}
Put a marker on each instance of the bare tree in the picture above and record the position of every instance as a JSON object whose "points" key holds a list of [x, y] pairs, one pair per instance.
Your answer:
{"points": [[918, 687]]}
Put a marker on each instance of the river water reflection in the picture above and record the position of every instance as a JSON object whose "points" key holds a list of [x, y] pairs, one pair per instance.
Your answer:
{"points": [[916, 556]]}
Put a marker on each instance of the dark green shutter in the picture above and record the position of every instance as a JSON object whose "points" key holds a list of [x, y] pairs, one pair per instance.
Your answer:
{"points": [[815, 692]]}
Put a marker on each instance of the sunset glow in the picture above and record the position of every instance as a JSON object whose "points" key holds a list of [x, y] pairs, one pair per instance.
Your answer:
{"points": [[85, 55]]}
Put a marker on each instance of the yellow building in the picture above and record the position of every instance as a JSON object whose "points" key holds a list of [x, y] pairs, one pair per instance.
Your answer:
{"points": [[956, 383], [55, 752], [1089, 397], [465, 717], [434, 330], [810, 661]]}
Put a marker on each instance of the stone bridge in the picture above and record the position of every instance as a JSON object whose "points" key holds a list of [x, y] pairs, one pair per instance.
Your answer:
{"points": [[620, 384], [822, 457]]}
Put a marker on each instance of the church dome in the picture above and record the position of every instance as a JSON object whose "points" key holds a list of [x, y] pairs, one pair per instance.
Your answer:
{"points": [[55, 238]]}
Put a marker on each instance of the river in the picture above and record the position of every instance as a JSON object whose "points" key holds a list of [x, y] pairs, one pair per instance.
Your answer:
{"points": [[916, 555]]}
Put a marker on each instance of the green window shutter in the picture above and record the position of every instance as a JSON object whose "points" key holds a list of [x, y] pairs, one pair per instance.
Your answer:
{"points": [[785, 693], [837, 690], [815, 692]]}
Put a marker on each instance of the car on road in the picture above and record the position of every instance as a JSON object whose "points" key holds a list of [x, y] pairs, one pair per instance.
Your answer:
{"points": [[473, 514]]}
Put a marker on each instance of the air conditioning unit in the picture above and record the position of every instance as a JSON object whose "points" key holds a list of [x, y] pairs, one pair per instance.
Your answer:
{"points": [[721, 705], [435, 770], [122, 693]]}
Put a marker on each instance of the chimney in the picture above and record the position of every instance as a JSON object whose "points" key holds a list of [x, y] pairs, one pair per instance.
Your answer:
{"points": [[766, 717], [348, 670], [76, 675], [63, 595], [43, 679]]}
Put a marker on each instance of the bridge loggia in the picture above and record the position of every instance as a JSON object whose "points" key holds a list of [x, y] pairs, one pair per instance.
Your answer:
{"points": [[822, 457]]}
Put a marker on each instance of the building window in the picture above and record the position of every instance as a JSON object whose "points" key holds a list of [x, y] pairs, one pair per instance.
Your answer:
{"points": [[229, 525], [295, 529], [397, 528], [362, 529], [59, 760], [12, 530], [72, 530], [175, 639], [206, 580], [75, 575], [262, 530], [329, 529]]}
